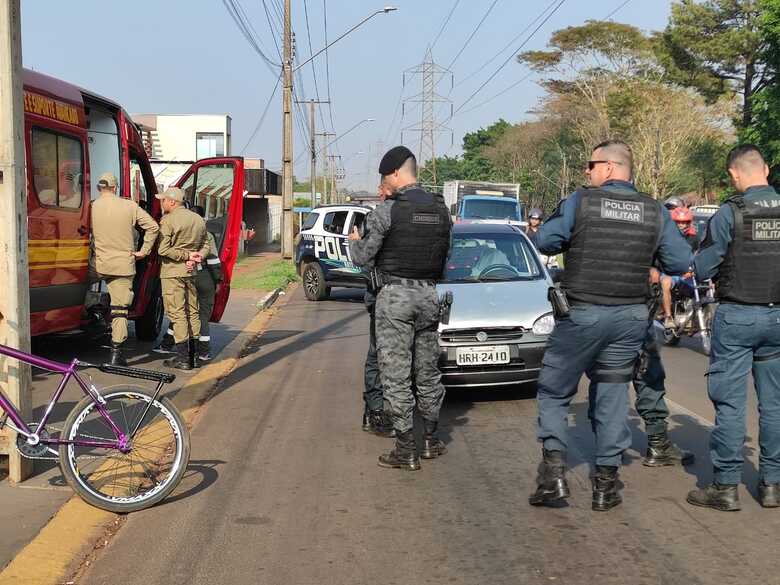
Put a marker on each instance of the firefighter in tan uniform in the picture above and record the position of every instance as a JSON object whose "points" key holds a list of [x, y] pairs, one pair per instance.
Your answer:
{"points": [[183, 244], [209, 275], [114, 220]]}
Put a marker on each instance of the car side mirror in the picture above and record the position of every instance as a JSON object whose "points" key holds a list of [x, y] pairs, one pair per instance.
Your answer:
{"points": [[556, 274]]}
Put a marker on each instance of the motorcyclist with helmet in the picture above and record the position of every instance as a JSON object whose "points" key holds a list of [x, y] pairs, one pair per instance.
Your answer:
{"points": [[683, 217], [534, 223]]}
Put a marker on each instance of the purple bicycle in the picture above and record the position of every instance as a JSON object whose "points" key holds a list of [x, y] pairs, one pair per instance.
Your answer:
{"points": [[121, 448]]}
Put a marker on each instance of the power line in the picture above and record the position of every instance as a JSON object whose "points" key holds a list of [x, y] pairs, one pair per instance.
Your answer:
{"points": [[445, 23], [262, 117], [274, 31], [507, 46], [327, 62], [618, 9], [241, 20], [511, 56], [474, 32], [499, 94]]}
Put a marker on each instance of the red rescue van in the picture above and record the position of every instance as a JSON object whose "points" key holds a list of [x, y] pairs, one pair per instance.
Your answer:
{"points": [[72, 136]]}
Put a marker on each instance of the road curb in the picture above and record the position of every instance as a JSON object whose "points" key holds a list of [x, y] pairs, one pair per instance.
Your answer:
{"points": [[269, 299], [60, 547]]}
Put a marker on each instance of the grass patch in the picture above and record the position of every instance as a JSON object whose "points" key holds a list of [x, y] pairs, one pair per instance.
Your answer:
{"points": [[275, 275]]}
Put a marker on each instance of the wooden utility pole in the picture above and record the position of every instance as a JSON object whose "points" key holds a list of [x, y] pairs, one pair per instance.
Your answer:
{"points": [[287, 145], [313, 147], [15, 291]]}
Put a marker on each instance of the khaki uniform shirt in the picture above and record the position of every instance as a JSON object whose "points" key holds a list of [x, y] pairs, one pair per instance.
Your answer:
{"points": [[181, 231], [114, 237]]}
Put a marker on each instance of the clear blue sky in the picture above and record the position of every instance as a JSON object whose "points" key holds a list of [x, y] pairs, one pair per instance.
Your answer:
{"points": [[187, 56]]}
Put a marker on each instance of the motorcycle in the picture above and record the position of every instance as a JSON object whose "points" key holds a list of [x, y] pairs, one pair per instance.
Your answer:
{"points": [[693, 308]]}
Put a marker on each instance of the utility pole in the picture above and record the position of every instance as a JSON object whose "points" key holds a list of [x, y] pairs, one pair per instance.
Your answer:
{"points": [[326, 196], [15, 292], [287, 145], [430, 75], [313, 147]]}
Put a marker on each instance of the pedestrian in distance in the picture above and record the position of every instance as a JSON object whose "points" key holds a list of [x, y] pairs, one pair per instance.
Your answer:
{"points": [[209, 274], [741, 252], [114, 221], [375, 419], [408, 241], [183, 244], [611, 233], [534, 223]]}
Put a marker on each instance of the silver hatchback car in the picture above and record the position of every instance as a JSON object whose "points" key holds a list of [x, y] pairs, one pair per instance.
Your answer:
{"points": [[500, 317]]}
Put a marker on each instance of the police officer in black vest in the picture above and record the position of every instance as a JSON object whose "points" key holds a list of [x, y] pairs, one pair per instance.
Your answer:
{"points": [[741, 251], [611, 235], [408, 241]]}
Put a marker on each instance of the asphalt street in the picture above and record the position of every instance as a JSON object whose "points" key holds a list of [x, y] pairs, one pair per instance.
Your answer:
{"points": [[283, 487]]}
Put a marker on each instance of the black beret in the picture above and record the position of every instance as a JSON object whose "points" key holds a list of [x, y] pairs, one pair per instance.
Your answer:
{"points": [[393, 159]]}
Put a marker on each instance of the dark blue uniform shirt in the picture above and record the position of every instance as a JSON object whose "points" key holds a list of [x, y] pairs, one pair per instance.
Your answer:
{"points": [[720, 231], [673, 253]]}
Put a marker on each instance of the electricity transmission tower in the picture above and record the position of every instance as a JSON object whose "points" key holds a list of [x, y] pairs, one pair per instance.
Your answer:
{"points": [[430, 75]]}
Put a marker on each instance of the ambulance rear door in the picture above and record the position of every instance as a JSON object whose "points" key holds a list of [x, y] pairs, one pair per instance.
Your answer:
{"points": [[217, 185]]}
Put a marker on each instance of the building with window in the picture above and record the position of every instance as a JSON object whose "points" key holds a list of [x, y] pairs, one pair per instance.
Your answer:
{"points": [[185, 137]]}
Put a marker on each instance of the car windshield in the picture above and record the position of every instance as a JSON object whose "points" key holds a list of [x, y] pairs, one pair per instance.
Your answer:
{"points": [[494, 209], [481, 257]]}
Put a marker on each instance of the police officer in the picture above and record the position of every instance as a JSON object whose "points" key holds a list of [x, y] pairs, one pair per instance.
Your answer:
{"points": [[209, 273], [375, 420], [408, 239], [741, 251], [611, 234], [183, 244], [114, 220]]}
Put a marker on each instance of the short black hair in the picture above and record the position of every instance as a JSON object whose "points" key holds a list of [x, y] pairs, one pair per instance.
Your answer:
{"points": [[744, 154], [199, 210]]}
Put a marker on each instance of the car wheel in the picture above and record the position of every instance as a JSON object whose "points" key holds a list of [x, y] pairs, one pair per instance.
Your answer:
{"points": [[314, 286]]}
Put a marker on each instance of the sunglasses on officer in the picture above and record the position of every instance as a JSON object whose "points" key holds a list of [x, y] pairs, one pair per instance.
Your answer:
{"points": [[592, 163]]}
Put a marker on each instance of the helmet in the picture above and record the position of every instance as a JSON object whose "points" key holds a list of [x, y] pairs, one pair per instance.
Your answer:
{"points": [[682, 215], [673, 202], [536, 213]]}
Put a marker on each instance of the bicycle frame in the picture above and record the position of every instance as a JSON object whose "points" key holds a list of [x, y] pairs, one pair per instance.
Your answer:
{"points": [[67, 371]]}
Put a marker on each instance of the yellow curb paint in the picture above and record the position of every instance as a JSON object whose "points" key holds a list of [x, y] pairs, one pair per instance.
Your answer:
{"points": [[54, 554]]}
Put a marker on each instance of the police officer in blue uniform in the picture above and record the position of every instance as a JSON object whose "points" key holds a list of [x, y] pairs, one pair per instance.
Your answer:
{"points": [[741, 252], [611, 235]]}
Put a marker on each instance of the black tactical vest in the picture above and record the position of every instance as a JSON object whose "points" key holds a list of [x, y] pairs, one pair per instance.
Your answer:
{"points": [[750, 272], [612, 247], [419, 237]]}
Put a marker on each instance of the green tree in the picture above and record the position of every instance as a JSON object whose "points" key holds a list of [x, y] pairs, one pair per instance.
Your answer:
{"points": [[717, 48], [764, 130]]}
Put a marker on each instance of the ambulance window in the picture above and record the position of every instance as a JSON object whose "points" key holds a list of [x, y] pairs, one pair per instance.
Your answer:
{"points": [[138, 191], [211, 189], [58, 169], [334, 222]]}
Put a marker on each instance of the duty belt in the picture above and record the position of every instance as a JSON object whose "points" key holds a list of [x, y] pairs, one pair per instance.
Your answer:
{"points": [[407, 281]]}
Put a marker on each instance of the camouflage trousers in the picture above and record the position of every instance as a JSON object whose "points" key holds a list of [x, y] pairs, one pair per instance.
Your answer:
{"points": [[407, 338]]}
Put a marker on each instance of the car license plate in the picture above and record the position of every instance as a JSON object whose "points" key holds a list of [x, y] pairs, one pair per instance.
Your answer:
{"points": [[482, 355]]}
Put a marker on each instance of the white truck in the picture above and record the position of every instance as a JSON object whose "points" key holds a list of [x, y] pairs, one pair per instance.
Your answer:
{"points": [[483, 202]]}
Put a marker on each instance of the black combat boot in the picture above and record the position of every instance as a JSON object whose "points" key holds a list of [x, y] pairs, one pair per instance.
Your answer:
{"points": [[723, 497], [375, 422], [181, 360], [769, 494], [605, 492], [117, 358], [661, 451], [432, 446], [204, 350], [366, 424], [166, 345], [404, 456], [551, 481], [192, 353]]}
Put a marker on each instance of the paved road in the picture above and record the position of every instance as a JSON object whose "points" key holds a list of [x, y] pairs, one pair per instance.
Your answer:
{"points": [[284, 488]]}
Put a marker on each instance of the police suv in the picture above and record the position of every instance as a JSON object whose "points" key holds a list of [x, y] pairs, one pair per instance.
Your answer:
{"points": [[322, 252]]}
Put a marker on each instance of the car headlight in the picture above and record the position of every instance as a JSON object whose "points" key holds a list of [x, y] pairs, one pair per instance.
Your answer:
{"points": [[544, 325]]}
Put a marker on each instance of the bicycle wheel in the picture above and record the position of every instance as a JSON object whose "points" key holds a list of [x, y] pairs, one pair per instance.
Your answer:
{"points": [[125, 482]]}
